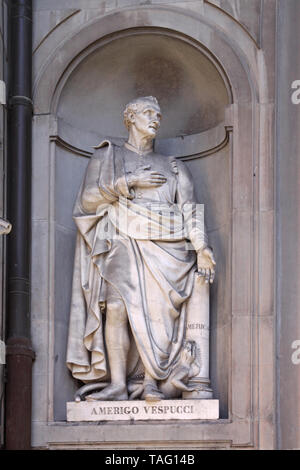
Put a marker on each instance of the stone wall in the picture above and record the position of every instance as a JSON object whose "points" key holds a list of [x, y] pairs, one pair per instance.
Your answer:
{"points": [[219, 59], [288, 226]]}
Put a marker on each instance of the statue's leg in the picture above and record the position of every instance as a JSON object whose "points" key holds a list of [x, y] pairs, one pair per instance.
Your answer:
{"points": [[117, 345], [151, 391]]}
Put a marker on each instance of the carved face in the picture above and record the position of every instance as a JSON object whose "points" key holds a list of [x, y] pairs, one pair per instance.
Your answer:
{"points": [[146, 119]]}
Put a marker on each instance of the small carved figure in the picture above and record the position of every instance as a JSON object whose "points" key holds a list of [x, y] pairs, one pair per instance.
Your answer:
{"points": [[187, 368]]}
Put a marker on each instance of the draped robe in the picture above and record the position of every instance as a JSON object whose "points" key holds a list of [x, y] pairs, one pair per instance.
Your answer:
{"points": [[125, 239]]}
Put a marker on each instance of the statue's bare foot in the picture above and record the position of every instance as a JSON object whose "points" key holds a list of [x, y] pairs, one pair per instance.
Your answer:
{"points": [[151, 393], [111, 392]]}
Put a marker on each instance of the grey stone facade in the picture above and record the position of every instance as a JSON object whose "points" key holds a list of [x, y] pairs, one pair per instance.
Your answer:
{"points": [[287, 228], [229, 66]]}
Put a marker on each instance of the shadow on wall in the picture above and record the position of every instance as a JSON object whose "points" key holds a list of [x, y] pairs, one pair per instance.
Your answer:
{"points": [[189, 88]]}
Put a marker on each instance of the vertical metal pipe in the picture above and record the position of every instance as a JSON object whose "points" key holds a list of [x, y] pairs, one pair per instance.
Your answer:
{"points": [[19, 351]]}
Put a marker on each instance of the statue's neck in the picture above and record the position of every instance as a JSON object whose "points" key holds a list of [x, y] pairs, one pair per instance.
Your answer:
{"points": [[136, 150], [140, 144]]}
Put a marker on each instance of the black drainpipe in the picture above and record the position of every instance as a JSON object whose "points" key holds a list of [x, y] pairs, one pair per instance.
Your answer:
{"points": [[19, 351]]}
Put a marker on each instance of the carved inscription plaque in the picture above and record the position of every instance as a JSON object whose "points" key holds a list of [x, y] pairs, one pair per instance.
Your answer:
{"points": [[142, 410]]}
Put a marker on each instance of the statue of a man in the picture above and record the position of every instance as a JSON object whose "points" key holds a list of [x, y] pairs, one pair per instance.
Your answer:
{"points": [[130, 290]]}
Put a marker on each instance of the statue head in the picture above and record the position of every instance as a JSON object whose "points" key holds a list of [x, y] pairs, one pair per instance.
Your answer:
{"points": [[144, 115]]}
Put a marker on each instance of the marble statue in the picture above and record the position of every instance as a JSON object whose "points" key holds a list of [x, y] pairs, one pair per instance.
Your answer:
{"points": [[141, 255]]}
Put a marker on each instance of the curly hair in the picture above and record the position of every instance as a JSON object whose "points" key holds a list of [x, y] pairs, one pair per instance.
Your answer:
{"points": [[134, 105]]}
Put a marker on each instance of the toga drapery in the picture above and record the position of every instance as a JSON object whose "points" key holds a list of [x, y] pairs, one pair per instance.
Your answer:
{"points": [[135, 241]]}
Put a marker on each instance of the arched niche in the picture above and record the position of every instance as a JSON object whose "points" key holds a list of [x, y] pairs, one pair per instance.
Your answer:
{"points": [[193, 93]]}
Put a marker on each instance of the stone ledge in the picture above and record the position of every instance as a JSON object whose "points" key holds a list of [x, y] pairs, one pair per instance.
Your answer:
{"points": [[143, 410]]}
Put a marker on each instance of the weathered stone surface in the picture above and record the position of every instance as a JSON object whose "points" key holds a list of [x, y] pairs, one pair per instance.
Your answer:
{"points": [[246, 13], [142, 410]]}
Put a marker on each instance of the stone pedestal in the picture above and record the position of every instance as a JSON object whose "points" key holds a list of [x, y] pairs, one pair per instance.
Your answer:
{"points": [[142, 410], [198, 331]]}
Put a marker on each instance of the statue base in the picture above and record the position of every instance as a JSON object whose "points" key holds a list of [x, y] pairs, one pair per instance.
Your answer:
{"points": [[142, 410], [201, 390], [198, 395]]}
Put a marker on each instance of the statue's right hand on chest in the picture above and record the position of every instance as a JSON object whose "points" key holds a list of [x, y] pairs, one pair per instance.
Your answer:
{"points": [[144, 177]]}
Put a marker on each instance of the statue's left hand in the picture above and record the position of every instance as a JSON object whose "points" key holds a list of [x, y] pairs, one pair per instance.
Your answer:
{"points": [[206, 264]]}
